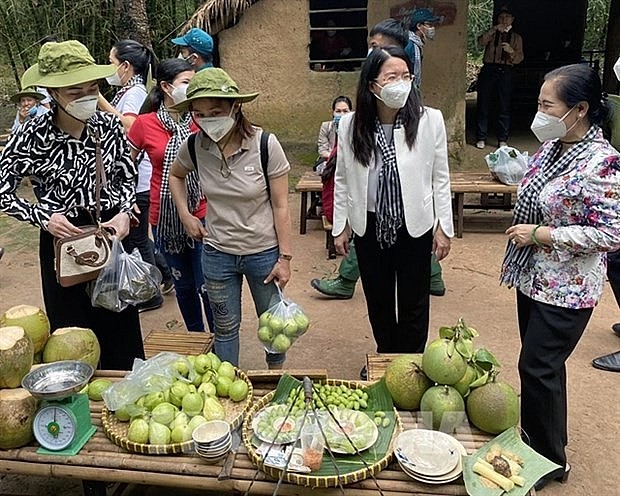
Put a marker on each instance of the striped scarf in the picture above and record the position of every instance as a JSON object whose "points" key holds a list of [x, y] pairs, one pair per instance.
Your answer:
{"points": [[389, 207], [171, 235], [135, 80], [527, 209]]}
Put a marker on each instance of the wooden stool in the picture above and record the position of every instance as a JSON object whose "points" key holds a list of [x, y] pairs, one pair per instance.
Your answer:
{"points": [[183, 343], [329, 239]]}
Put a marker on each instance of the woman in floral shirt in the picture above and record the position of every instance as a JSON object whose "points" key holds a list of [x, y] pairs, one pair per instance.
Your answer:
{"points": [[566, 218]]}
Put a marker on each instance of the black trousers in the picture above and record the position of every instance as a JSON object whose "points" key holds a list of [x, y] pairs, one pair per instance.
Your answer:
{"points": [[613, 273], [494, 81], [119, 334], [549, 334], [396, 284], [139, 238]]}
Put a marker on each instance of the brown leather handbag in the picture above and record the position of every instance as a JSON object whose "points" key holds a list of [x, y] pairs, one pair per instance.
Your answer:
{"points": [[81, 257]]}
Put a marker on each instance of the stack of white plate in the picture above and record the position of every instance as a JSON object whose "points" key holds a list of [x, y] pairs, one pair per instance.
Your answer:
{"points": [[429, 456], [212, 440]]}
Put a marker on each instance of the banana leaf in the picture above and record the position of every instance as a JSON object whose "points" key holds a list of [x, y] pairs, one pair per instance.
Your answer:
{"points": [[534, 465], [379, 399]]}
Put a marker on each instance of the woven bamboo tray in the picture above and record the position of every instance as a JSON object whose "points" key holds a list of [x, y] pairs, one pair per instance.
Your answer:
{"points": [[310, 480], [116, 430]]}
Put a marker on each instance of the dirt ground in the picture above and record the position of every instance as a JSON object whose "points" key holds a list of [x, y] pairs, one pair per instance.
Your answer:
{"points": [[340, 337]]}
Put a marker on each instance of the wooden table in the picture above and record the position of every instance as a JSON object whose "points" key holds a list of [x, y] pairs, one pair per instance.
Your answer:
{"points": [[101, 460], [482, 183], [309, 183]]}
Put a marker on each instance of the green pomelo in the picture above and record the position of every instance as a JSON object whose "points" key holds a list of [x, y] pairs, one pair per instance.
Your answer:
{"points": [[17, 411], [462, 386], [72, 343], [32, 319], [494, 407], [406, 381], [16, 356], [441, 367], [97, 387], [442, 408]]}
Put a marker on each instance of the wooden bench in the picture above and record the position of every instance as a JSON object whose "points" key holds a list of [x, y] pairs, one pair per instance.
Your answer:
{"points": [[184, 343], [309, 183], [493, 194]]}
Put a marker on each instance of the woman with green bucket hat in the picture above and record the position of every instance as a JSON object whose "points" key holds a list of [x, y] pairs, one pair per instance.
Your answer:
{"points": [[57, 151], [247, 230]]}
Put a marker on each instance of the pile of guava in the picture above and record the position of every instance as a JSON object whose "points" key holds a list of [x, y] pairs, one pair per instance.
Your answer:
{"points": [[280, 327]]}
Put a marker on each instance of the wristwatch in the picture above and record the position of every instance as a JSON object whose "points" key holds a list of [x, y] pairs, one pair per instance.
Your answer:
{"points": [[285, 257]]}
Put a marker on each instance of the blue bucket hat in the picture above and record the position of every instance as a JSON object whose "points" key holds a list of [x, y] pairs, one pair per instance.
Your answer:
{"points": [[422, 15], [198, 40]]}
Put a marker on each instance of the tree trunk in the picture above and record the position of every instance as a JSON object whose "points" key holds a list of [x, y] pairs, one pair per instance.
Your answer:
{"points": [[612, 48], [132, 22]]}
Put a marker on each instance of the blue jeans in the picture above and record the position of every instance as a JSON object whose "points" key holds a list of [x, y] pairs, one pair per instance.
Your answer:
{"points": [[186, 269], [223, 278]]}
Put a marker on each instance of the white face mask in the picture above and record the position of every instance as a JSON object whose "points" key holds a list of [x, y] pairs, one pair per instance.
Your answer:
{"points": [[216, 127], [430, 33], [179, 93], [547, 127], [83, 108], [617, 68], [114, 79], [395, 94]]}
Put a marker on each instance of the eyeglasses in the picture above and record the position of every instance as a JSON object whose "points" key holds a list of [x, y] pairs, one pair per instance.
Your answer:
{"points": [[392, 78]]}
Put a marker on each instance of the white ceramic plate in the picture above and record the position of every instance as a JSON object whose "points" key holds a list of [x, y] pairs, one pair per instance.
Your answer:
{"points": [[427, 453], [267, 422], [443, 479], [360, 428]]}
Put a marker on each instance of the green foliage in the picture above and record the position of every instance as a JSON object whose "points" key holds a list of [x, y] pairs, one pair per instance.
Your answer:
{"points": [[596, 24], [23, 23]]}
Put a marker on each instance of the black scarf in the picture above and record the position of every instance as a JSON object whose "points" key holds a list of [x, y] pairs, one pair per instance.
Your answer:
{"points": [[389, 206]]}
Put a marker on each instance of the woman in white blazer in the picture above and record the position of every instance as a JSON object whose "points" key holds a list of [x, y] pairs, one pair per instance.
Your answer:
{"points": [[392, 192]]}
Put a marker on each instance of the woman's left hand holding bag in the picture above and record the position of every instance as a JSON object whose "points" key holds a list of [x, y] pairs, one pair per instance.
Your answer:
{"points": [[441, 244]]}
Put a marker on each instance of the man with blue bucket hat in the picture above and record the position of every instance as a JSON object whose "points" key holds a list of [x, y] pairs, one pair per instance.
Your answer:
{"points": [[196, 46]]}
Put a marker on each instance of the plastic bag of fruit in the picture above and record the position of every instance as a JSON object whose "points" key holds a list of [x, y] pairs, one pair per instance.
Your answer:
{"points": [[281, 325]]}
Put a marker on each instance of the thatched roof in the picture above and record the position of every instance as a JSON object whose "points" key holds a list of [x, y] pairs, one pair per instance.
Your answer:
{"points": [[216, 15]]}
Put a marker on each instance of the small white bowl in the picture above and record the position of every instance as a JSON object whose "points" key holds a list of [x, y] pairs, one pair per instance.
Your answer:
{"points": [[211, 432]]}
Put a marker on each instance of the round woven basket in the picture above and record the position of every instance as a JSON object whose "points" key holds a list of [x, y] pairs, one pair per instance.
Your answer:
{"points": [[308, 479], [116, 430]]}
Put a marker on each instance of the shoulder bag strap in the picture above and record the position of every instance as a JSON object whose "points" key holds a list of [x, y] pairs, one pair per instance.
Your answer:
{"points": [[264, 159], [191, 145], [100, 179]]}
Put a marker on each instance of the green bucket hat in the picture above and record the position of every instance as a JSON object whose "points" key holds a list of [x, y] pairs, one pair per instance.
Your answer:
{"points": [[31, 92], [213, 83], [65, 64]]}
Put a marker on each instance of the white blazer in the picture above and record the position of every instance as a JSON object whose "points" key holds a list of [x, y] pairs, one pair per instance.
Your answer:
{"points": [[424, 179]]}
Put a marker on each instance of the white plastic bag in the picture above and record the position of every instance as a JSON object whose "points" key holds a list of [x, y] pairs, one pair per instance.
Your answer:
{"points": [[281, 325], [507, 164]]}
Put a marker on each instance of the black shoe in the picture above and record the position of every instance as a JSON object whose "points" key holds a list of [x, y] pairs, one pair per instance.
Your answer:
{"points": [[167, 287], [616, 329], [438, 292], [153, 304], [610, 362], [560, 475], [364, 373]]}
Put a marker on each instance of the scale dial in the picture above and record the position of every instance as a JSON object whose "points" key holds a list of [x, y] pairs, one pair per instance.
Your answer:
{"points": [[54, 427]]}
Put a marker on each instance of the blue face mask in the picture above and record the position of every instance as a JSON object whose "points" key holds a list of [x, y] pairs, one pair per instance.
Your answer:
{"points": [[32, 112], [336, 119]]}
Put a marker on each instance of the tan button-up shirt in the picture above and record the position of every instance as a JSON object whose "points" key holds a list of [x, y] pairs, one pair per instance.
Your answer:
{"points": [[494, 53]]}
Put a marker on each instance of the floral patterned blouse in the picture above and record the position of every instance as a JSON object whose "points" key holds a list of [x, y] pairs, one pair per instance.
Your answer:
{"points": [[582, 208]]}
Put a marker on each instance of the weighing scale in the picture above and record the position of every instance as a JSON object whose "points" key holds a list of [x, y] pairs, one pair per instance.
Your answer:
{"points": [[62, 426]]}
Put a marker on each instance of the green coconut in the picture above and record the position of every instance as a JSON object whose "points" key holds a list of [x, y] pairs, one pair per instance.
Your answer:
{"points": [[32, 319], [72, 343], [17, 410], [16, 356]]}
